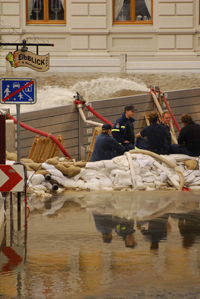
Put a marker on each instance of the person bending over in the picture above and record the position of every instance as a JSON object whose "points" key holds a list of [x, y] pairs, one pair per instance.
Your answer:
{"points": [[189, 138], [106, 147], [156, 137], [123, 129]]}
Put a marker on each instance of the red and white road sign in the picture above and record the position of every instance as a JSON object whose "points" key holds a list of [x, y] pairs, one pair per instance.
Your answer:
{"points": [[11, 178]]}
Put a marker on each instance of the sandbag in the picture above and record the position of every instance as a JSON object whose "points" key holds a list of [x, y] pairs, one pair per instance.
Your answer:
{"points": [[191, 164], [62, 168], [52, 161], [80, 163], [11, 156], [48, 166], [37, 179], [73, 171]]}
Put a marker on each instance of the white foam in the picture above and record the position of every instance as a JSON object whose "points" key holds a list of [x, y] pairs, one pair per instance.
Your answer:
{"points": [[96, 89]]}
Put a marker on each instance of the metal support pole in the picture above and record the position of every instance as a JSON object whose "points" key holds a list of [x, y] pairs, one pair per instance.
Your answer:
{"points": [[2, 138], [18, 160]]}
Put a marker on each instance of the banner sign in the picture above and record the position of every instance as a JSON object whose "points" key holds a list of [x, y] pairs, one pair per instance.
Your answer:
{"points": [[36, 62]]}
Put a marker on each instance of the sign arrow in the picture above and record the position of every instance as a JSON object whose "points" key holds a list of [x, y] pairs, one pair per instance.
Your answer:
{"points": [[11, 178]]}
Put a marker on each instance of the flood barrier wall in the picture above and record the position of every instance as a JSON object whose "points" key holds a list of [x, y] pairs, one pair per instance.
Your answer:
{"points": [[66, 121]]}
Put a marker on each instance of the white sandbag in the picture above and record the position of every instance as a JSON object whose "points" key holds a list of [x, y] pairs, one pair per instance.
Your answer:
{"points": [[194, 188], [136, 165], [138, 178], [122, 178], [93, 184], [190, 178], [105, 183], [149, 179], [80, 184], [176, 177], [163, 177], [181, 167], [29, 174], [90, 174], [94, 165], [37, 179], [151, 185], [170, 158], [61, 181], [146, 174], [39, 187], [196, 182], [144, 170], [143, 160], [158, 184], [150, 189], [141, 186], [122, 162], [47, 166], [78, 176], [48, 185], [56, 172], [109, 165], [195, 172], [9, 162]]}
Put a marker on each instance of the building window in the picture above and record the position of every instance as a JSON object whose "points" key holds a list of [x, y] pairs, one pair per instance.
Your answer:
{"points": [[132, 11], [46, 11]]}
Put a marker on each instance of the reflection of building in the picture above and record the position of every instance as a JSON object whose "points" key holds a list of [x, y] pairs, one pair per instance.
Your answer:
{"points": [[91, 35]]}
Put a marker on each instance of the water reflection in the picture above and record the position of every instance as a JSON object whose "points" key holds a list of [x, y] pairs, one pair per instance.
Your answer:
{"points": [[106, 245]]}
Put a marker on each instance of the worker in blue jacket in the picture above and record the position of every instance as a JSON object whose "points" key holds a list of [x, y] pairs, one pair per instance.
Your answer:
{"points": [[106, 147], [123, 129]]}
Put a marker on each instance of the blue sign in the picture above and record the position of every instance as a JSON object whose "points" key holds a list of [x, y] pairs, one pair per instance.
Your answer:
{"points": [[18, 91]]}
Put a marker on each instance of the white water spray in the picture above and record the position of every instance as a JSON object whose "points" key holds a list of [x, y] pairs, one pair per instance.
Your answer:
{"points": [[96, 89]]}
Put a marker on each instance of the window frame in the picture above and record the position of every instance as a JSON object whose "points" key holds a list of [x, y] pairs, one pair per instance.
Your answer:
{"points": [[46, 21], [132, 16]]}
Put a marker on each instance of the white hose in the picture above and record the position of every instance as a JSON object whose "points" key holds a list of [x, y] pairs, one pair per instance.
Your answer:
{"points": [[88, 121], [134, 182], [170, 164]]}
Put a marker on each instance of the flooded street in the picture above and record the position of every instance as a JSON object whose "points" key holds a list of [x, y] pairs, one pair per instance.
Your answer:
{"points": [[106, 245]]}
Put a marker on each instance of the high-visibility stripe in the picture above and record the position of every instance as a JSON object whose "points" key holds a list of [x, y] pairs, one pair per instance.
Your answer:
{"points": [[115, 130], [123, 127]]}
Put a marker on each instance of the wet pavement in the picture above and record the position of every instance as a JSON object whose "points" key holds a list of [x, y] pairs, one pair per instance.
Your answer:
{"points": [[104, 245]]}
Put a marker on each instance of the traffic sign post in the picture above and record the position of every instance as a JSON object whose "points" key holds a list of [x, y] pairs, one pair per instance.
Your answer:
{"points": [[18, 91], [11, 178]]}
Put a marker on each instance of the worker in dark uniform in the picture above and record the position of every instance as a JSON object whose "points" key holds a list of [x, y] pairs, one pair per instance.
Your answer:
{"points": [[156, 135], [189, 138], [165, 123], [123, 129], [125, 229], [157, 230], [105, 225], [106, 147]]}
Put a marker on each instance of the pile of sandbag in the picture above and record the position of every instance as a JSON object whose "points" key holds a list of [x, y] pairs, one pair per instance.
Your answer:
{"points": [[60, 174]]}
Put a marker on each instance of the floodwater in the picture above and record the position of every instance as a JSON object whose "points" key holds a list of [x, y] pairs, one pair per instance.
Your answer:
{"points": [[108, 245], [58, 89]]}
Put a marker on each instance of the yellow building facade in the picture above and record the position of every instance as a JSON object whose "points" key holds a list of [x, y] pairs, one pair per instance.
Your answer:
{"points": [[107, 36]]}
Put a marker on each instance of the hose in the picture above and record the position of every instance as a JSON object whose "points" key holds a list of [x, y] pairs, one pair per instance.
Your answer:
{"points": [[170, 164], [98, 115], [134, 182], [88, 121], [43, 134]]}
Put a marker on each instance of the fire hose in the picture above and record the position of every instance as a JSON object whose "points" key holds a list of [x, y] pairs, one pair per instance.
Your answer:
{"points": [[43, 134]]}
